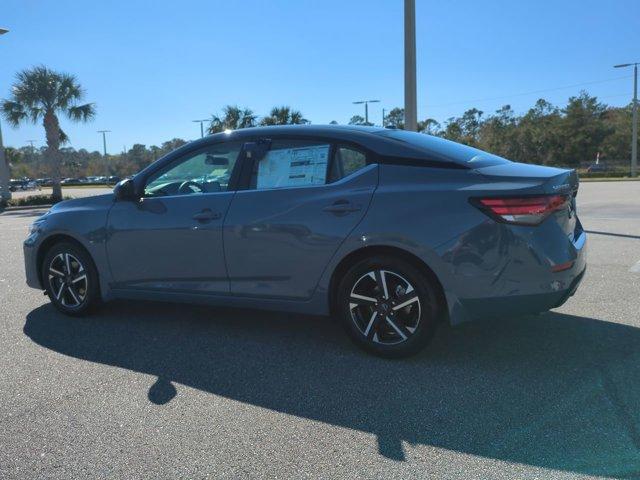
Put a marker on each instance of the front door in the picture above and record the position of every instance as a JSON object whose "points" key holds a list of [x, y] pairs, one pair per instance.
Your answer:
{"points": [[171, 239], [303, 199]]}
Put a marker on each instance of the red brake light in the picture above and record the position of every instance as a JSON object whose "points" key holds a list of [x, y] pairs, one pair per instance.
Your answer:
{"points": [[528, 210]]}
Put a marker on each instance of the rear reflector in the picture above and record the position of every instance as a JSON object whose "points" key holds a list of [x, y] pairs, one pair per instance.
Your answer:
{"points": [[526, 210], [561, 267]]}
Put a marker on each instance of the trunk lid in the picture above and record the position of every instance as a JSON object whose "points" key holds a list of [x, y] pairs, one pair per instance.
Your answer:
{"points": [[540, 180]]}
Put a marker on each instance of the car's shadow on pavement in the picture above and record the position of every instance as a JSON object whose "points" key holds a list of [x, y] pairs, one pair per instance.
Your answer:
{"points": [[555, 391]]}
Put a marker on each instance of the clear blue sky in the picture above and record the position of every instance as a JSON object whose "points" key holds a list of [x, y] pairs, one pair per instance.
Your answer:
{"points": [[153, 66]]}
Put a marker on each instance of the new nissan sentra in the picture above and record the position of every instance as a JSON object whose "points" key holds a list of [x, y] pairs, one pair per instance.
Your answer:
{"points": [[391, 231]]}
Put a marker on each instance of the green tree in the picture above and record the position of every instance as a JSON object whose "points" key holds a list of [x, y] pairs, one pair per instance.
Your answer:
{"points": [[429, 126], [284, 115], [395, 118], [43, 94], [582, 129], [617, 145], [359, 120], [233, 118], [537, 134], [497, 133]]}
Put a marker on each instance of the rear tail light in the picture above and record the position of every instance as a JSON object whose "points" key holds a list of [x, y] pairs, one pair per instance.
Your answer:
{"points": [[525, 210]]}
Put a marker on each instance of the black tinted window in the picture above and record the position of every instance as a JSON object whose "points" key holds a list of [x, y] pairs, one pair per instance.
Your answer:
{"points": [[437, 148], [345, 162]]}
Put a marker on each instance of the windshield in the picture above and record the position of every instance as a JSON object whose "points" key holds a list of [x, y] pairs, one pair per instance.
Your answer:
{"points": [[438, 148]]}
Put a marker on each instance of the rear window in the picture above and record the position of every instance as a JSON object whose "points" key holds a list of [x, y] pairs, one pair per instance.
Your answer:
{"points": [[436, 148]]}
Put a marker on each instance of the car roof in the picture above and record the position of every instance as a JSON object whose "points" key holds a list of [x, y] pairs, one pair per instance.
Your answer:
{"points": [[369, 137]]}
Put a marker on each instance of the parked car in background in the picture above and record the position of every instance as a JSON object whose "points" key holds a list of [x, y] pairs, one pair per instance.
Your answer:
{"points": [[44, 182], [391, 231], [22, 184], [68, 181], [597, 167], [113, 179]]}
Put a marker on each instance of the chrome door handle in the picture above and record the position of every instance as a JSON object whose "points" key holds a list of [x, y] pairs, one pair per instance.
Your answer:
{"points": [[206, 215]]}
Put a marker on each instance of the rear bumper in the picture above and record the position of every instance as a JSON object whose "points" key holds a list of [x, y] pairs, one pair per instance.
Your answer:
{"points": [[518, 305], [521, 281]]}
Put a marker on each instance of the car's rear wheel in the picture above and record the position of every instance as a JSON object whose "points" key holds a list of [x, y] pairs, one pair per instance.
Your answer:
{"points": [[387, 306], [70, 279]]}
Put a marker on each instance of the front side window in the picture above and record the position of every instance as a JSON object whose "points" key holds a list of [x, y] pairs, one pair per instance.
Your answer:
{"points": [[292, 163], [204, 171]]}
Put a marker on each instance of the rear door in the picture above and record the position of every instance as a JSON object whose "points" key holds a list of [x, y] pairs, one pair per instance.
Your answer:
{"points": [[302, 199]]}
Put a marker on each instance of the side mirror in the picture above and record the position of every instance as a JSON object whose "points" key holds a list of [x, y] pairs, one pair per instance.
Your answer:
{"points": [[125, 190]]}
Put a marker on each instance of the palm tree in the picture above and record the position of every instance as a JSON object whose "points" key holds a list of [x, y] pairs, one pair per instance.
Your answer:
{"points": [[284, 115], [233, 118], [43, 94]]}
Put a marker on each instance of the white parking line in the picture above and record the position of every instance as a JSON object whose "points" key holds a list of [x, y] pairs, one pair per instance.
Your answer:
{"points": [[635, 268]]}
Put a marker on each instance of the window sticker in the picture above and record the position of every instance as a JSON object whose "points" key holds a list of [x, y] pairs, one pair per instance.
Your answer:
{"points": [[293, 167]]}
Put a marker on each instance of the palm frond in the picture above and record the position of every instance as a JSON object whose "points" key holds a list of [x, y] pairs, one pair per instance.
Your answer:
{"points": [[68, 90], [82, 113], [64, 138], [13, 112]]}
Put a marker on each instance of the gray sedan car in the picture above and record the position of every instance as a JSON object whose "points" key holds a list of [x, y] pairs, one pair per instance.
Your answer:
{"points": [[390, 231]]}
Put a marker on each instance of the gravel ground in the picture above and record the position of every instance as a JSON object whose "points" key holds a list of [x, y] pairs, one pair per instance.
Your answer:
{"points": [[143, 390]]}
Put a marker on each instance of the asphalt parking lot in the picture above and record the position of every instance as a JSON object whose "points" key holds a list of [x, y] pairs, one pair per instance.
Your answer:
{"points": [[145, 390]]}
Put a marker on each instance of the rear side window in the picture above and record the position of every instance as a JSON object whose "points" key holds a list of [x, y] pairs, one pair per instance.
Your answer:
{"points": [[439, 149], [292, 163], [346, 161]]}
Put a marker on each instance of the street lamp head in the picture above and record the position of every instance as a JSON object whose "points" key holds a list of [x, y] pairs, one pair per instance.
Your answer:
{"points": [[622, 65], [373, 101], [359, 102], [3, 31]]}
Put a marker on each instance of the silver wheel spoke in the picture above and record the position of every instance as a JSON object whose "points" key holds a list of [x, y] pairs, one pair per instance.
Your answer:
{"points": [[406, 302], [79, 278], [381, 280], [73, 294], [59, 294], [362, 300], [67, 263], [56, 273], [397, 329], [372, 321]]}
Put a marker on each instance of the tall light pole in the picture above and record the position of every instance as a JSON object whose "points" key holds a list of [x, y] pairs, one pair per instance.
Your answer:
{"points": [[366, 108], [5, 193], [201, 122], [410, 95], [104, 140], [634, 127]]}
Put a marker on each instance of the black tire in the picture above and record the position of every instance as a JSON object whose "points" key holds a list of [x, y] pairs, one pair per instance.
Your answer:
{"points": [[64, 288], [386, 328]]}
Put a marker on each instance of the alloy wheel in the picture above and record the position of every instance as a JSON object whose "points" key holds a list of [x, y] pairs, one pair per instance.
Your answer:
{"points": [[68, 280], [385, 307]]}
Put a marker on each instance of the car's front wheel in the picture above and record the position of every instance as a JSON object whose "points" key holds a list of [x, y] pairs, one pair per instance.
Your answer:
{"points": [[387, 306], [70, 279]]}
